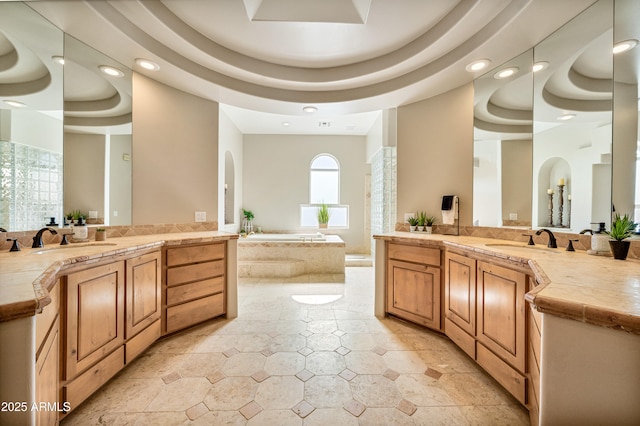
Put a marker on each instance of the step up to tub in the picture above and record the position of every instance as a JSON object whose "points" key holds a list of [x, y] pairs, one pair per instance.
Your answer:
{"points": [[270, 268]]}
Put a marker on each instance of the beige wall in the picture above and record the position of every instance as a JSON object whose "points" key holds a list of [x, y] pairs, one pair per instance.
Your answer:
{"points": [[84, 160], [517, 175], [276, 180], [435, 153], [120, 180], [175, 154], [231, 143]]}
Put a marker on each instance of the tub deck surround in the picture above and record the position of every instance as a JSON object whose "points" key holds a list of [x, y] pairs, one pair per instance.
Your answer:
{"points": [[590, 289], [290, 255], [27, 276]]}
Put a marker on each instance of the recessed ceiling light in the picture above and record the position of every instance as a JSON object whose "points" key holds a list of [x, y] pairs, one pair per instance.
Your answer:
{"points": [[15, 104], [147, 64], [539, 66], [58, 59], [623, 46], [310, 109], [478, 65], [113, 72], [285, 123], [565, 117], [505, 73]]}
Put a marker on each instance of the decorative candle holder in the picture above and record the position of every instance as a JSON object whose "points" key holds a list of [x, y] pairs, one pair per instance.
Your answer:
{"points": [[550, 208], [560, 205], [569, 211]]}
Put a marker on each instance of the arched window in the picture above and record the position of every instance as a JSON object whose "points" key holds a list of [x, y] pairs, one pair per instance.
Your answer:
{"points": [[324, 188], [324, 180]]}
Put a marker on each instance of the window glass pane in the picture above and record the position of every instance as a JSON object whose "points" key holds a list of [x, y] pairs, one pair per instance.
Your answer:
{"points": [[339, 216], [324, 187], [324, 162]]}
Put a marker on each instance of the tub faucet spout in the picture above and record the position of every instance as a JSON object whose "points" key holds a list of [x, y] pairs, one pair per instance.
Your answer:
{"points": [[37, 240], [552, 239]]}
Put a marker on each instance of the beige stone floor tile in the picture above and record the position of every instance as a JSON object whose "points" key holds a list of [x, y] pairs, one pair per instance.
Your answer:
{"points": [[327, 392], [94, 418], [231, 393], [375, 391], [330, 416], [440, 416], [165, 418], [284, 363], [123, 395], [405, 362], [385, 417], [322, 326], [227, 418], [323, 342], [149, 365], [201, 364], [422, 390], [252, 342], [474, 389], [244, 364], [496, 415], [275, 417], [286, 343], [358, 341], [180, 395], [216, 343], [353, 326], [365, 362], [323, 363], [280, 392]]}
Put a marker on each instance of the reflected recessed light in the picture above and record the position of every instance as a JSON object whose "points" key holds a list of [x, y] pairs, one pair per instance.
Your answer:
{"points": [[113, 72], [58, 59], [565, 117], [623, 46], [285, 123], [310, 109], [478, 65], [507, 72], [147, 64], [15, 104], [539, 66]]}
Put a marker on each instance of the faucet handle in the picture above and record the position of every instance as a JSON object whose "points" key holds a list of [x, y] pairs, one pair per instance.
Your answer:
{"points": [[64, 241], [530, 243], [570, 246], [15, 246]]}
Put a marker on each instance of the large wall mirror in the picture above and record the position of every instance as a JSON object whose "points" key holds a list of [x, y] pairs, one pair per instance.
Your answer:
{"points": [[65, 126], [31, 104], [584, 149]]}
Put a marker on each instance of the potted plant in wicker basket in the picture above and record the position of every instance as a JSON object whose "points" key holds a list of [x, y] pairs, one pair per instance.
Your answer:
{"points": [[622, 227]]}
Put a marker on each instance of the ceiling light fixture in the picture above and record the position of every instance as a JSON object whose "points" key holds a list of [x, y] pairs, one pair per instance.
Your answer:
{"points": [[147, 64], [478, 65], [539, 66], [623, 46], [58, 59], [565, 117], [15, 104], [505, 73], [285, 123], [113, 72], [310, 109]]}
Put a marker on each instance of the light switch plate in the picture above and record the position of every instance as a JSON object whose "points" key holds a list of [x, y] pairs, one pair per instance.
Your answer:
{"points": [[201, 216], [407, 216], [513, 216]]}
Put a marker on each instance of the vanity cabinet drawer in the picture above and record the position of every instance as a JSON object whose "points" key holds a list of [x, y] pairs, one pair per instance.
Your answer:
{"points": [[195, 272], [190, 313], [510, 378], [415, 254], [195, 290], [185, 255]]}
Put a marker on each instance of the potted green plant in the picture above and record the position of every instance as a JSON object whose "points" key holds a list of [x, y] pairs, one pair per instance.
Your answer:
{"points": [[101, 234], [622, 227], [428, 223], [413, 223], [324, 214], [247, 222]]}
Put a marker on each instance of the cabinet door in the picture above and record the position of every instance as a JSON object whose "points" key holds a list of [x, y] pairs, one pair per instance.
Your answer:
{"points": [[501, 312], [47, 378], [94, 316], [143, 292], [413, 292], [460, 292]]}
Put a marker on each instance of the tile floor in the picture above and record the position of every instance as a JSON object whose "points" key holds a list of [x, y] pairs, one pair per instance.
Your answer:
{"points": [[302, 352]]}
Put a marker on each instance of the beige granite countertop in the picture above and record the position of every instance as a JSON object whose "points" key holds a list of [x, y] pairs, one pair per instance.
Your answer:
{"points": [[25, 276], [591, 289]]}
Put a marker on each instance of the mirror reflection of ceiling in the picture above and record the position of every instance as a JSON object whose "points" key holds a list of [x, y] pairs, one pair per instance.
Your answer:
{"points": [[277, 56]]}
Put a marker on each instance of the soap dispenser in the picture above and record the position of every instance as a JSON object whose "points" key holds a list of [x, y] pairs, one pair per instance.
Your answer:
{"points": [[80, 231], [599, 241]]}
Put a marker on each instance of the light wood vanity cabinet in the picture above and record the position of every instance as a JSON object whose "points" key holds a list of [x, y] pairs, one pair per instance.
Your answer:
{"points": [[533, 354], [111, 314], [194, 289], [48, 359], [485, 316], [413, 284]]}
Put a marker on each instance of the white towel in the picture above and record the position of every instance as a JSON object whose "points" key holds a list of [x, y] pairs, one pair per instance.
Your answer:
{"points": [[449, 216]]}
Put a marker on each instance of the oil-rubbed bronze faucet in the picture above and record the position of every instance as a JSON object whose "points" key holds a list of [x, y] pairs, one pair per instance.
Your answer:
{"points": [[37, 240], [552, 238]]}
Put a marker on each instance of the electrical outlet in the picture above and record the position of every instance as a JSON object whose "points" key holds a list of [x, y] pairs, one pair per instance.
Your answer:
{"points": [[513, 216], [407, 216], [93, 214], [115, 213], [201, 216]]}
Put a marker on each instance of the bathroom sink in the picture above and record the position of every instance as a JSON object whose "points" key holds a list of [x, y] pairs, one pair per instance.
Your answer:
{"points": [[510, 246], [70, 246]]}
